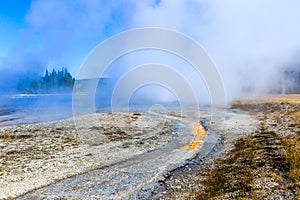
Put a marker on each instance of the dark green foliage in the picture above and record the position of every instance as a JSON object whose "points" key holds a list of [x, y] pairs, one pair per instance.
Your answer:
{"points": [[59, 81]]}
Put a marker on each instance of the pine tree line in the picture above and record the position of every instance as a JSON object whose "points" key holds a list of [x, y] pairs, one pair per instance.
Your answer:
{"points": [[52, 82]]}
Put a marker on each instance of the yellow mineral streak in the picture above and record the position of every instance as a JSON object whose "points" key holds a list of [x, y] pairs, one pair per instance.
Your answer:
{"points": [[200, 133]]}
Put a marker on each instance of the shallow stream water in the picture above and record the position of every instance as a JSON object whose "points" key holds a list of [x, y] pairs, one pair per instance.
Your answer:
{"points": [[24, 109]]}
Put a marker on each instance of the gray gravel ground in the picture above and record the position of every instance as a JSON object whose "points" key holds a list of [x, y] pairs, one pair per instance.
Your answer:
{"points": [[150, 175], [123, 179]]}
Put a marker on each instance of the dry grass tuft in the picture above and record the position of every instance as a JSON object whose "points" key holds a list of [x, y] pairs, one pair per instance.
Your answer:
{"points": [[293, 155], [264, 163]]}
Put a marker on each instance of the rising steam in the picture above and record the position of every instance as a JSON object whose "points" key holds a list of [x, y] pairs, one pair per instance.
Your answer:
{"points": [[251, 42]]}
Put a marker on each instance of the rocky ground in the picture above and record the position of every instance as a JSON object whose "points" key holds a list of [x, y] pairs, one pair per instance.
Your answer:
{"points": [[134, 178], [263, 163], [35, 155], [257, 155]]}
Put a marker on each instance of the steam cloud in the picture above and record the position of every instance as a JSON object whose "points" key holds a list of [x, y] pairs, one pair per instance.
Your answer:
{"points": [[251, 42]]}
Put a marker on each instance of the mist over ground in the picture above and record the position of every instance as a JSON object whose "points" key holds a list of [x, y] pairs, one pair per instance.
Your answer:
{"points": [[255, 44]]}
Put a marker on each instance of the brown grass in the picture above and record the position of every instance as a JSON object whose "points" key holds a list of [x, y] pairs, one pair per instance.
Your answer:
{"points": [[14, 137], [292, 156], [233, 175], [269, 151], [236, 174]]}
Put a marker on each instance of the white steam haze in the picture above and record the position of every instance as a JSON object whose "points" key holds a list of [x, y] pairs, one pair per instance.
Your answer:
{"points": [[250, 42]]}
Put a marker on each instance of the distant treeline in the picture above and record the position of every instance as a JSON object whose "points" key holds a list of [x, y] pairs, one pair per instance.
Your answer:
{"points": [[59, 81], [285, 81], [290, 81]]}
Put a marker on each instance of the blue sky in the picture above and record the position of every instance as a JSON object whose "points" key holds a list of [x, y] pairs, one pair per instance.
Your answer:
{"points": [[12, 20], [245, 39], [57, 33]]}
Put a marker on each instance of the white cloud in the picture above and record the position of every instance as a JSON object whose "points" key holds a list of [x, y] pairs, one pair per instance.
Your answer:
{"points": [[250, 41], [68, 30]]}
